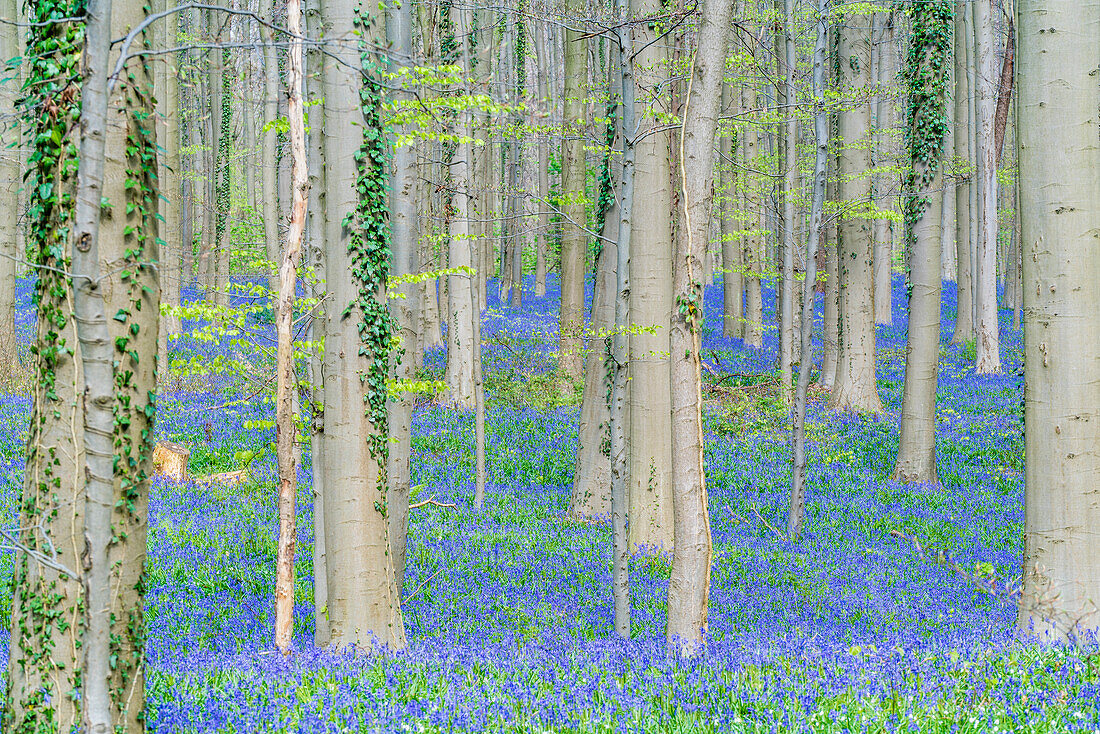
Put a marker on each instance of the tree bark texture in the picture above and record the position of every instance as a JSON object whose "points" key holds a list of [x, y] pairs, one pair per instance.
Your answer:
{"points": [[651, 523], [856, 388], [574, 240], [363, 601], [987, 330], [689, 582], [1060, 168], [964, 321]]}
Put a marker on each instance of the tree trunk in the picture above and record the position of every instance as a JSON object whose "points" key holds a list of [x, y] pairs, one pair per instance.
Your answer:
{"points": [[286, 386], [10, 182], [315, 250], [987, 330], [1060, 171], [753, 327], [592, 478], [618, 415], [856, 388], [813, 240], [574, 240], [650, 301], [916, 460], [964, 322], [733, 281], [460, 320], [790, 187], [173, 204], [830, 326], [689, 582], [885, 73], [404, 231], [363, 601], [269, 192]]}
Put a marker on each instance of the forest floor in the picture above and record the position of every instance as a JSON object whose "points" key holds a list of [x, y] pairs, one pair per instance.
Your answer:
{"points": [[894, 611]]}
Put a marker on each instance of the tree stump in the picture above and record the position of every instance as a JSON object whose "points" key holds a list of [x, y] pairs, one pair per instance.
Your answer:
{"points": [[170, 460]]}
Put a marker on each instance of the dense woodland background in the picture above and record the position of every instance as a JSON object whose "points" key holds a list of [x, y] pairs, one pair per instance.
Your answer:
{"points": [[550, 366]]}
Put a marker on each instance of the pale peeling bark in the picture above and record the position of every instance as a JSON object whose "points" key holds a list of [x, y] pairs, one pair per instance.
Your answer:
{"points": [[404, 233], [964, 321], [689, 582], [364, 607], [286, 380], [574, 240], [1060, 171], [855, 388], [650, 301], [987, 330]]}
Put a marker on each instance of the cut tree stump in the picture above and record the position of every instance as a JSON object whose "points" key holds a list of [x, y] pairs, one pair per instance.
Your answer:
{"points": [[170, 460]]}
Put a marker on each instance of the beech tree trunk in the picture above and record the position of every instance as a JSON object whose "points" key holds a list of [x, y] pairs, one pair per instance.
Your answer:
{"points": [[689, 582], [404, 232], [574, 240], [733, 282], [987, 330], [1060, 171], [964, 322], [813, 240], [883, 230], [461, 305], [10, 182], [856, 388], [269, 190], [651, 523], [364, 606]]}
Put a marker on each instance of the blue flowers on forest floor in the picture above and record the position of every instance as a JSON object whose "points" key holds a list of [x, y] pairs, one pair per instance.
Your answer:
{"points": [[849, 629]]}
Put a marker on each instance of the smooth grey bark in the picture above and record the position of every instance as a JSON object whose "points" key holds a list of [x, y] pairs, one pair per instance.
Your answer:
{"points": [[964, 320], [315, 286], [789, 212], [364, 606], [651, 302], [1060, 172], [618, 417], [733, 278], [689, 581], [916, 459], [461, 345], [855, 388], [754, 259], [10, 182], [171, 175], [813, 240], [543, 237], [590, 496], [269, 191], [574, 240], [885, 61], [830, 327], [986, 328], [96, 354], [404, 235], [947, 203]]}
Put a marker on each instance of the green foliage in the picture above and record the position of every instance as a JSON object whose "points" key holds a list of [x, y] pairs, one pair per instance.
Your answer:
{"points": [[369, 247]]}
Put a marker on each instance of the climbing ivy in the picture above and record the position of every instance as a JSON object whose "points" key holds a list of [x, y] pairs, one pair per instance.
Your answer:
{"points": [[369, 244], [134, 410], [926, 74], [45, 603]]}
